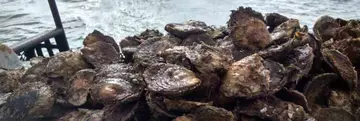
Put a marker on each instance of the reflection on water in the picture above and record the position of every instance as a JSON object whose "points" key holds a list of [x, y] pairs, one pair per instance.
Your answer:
{"points": [[20, 19]]}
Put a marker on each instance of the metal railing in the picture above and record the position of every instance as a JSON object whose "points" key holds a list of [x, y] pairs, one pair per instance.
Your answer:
{"points": [[32, 47]]}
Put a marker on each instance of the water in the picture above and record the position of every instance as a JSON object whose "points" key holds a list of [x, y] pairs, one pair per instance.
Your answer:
{"points": [[21, 19]]}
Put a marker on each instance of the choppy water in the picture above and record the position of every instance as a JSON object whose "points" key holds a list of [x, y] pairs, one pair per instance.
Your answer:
{"points": [[20, 19]]}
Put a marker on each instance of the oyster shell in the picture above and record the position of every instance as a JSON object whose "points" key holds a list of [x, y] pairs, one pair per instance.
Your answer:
{"points": [[100, 53], [184, 30], [334, 114], [31, 101], [290, 27], [252, 76], [79, 86], [182, 105], [341, 64], [97, 36], [10, 80], [170, 79], [211, 113], [295, 97], [242, 15], [273, 109], [65, 64], [325, 28], [274, 19], [83, 115], [121, 112], [198, 39]]}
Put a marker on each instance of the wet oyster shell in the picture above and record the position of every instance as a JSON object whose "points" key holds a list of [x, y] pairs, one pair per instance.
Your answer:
{"points": [[274, 19], [121, 112], [79, 86], [334, 114], [340, 99], [65, 64], [183, 30], [36, 72], [211, 113], [10, 80], [295, 97], [198, 39], [242, 15], [251, 77], [272, 108], [83, 115], [341, 64], [325, 27], [182, 105], [32, 100], [170, 79], [251, 35], [114, 91], [97, 36], [316, 90], [100, 53], [290, 27]]}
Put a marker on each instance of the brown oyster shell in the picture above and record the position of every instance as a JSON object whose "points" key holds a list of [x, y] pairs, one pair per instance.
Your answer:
{"points": [[252, 77], [36, 72], [295, 97], [325, 27], [341, 64], [316, 90], [273, 109], [198, 39], [31, 101], [274, 19], [183, 30], [289, 27], [251, 35], [121, 112], [340, 99], [170, 79], [334, 114], [242, 15], [65, 64], [100, 53], [83, 115], [211, 113], [79, 87], [10, 80], [182, 105], [97, 36]]}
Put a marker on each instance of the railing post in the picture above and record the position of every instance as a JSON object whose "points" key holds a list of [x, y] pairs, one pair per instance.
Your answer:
{"points": [[61, 40]]}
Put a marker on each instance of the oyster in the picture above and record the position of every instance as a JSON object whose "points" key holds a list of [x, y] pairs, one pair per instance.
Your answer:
{"points": [[253, 76], [36, 72], [251, 35], [83, 115], [242, 15], [97, 36], [100, 53], [211, 113], [290, 27], [198, 39], [182, 105], [274, 19], [170, 79], [273, 109], [79, 86], [295, 97], [184, 30], [10, 80], [341, 64], [334, 114], [325, 28], [121, 112], [31, 101], [65, 64]]}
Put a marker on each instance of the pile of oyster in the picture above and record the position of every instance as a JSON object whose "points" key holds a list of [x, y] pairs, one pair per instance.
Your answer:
{"points": [[255, 69]]}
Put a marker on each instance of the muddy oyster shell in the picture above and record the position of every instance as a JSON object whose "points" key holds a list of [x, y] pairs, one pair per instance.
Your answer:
{"points": [[10, 80], [242, 15], [210, 113], [170, 79], [252, 76], [251, 35], [149, 50], [273, 109], [65, 64], [79, 87], [121, 112], [274, 19], [341, 64], [32, 100], [100, 53], [97, 36], [315, 91], [325, 28], [83, 115], [183, 30], [334, 114]]}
